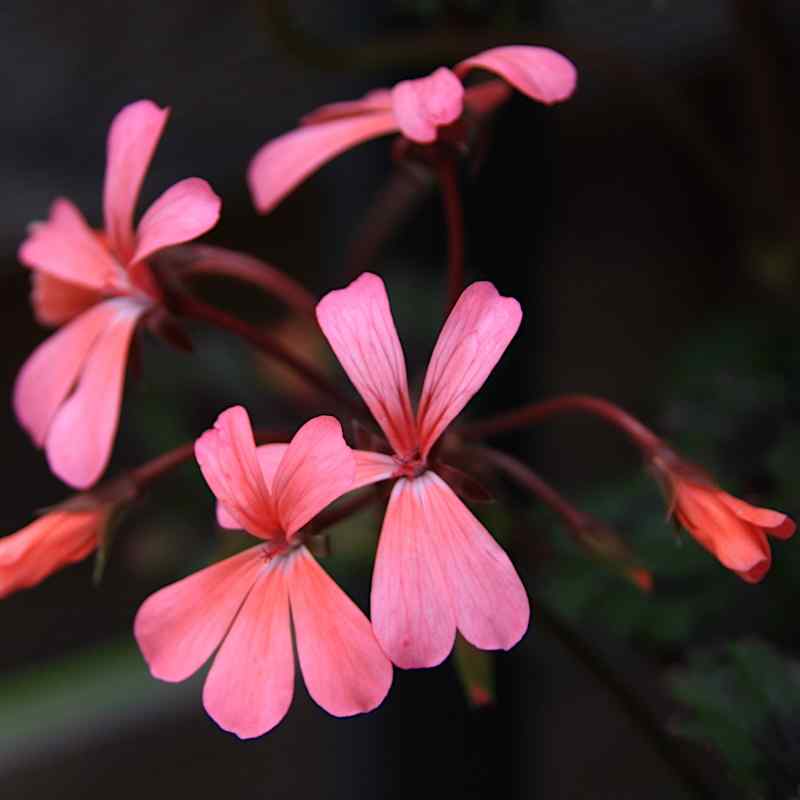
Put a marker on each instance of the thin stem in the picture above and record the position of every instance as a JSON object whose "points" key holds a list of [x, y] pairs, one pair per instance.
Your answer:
{"points": [[536, 412], [208, 260], [646, 721], [345, 510], [189, 306], [446, 169], [149, 472], [528, 479]]}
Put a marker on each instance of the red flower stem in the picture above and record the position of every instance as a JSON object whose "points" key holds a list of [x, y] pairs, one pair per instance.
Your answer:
{"points": [[203, 259], [648, 723], [451, 198], [189, 306], [525, 477], [149, 472], [642, 436]]}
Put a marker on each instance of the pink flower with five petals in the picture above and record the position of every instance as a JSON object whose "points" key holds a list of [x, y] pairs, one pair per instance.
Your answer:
{"points": [[97, 285], [417, 109], [437, 568], [244, 602]]}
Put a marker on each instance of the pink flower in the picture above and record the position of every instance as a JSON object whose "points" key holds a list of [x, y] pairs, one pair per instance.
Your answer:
{"points": [[49, 543], [732, 530], [437, 568], [97, 285], [244, 602], [417, 109]]}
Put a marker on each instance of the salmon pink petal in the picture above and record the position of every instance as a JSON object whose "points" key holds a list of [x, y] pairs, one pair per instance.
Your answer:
{"points": [[344, 669], [490, 603], [229, 463], [67, 248], [357, 322], [473, 338], [538, 72], [412, 610], [773, 522], [185, 211], [81, 435], [423, 105], [249, 688], [316, 469], [280, 165], [739, 545], [372, 467], [269, 457], [132, 140], [51, 370], [485, 97], [180, 626], [376, 100], [56, 301], [49, 543]]}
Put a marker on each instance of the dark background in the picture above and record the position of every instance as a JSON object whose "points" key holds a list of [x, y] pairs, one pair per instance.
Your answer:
{"points": [[649, 228]]}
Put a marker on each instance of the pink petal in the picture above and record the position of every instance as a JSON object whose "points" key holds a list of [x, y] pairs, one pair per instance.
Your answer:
{"points": [[249, 688], [773, 522], [132, 140], [180, 626], [49, 543], [540, 73], [316, 469], [56, 301], [357, 322], [227, 458], [423, 105], [376, 100], [81, 435], [412, 610], [281, 164], [372, 467], [67, 248], [344, 669], [476, 334], [490, 602], [269, 457], [51, 370], [185, 211], [484, 98]]}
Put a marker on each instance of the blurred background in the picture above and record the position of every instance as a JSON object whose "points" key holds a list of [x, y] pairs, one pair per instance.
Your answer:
{"points": [[649, 228]]}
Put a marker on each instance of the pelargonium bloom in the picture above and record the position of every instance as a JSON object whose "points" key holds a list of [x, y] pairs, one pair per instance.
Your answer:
{"points": [[732, 530], [437, 568], [98, 286], [243, 604], [417, 109], [54, 540]]}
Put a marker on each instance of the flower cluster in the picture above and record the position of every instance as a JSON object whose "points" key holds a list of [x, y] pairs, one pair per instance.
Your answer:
{"points": [[437, 571]]}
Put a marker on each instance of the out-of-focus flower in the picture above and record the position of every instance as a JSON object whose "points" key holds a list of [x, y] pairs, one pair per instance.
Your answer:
{"points": [[732, 530], [437, 568], [242, 604], [417, 109], [98, 285], [67, 533]]}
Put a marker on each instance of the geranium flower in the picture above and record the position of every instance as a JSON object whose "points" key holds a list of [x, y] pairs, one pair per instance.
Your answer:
{"points": [[97, 285], [418, 109], [437, 568], [244, 602], [732, 530]]}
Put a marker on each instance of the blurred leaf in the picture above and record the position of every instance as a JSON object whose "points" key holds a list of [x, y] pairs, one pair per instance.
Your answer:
{"points": [[476, 670]]}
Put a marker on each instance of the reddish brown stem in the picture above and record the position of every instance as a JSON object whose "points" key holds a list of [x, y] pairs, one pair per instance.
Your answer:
{"points": [[451, 199], [208, 260], [536, 412], [528, 479], [189, 306], [343, 511], [154, 469]]}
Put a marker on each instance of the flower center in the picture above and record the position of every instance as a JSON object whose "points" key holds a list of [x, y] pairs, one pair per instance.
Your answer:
{"points": [[411, 467]]}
